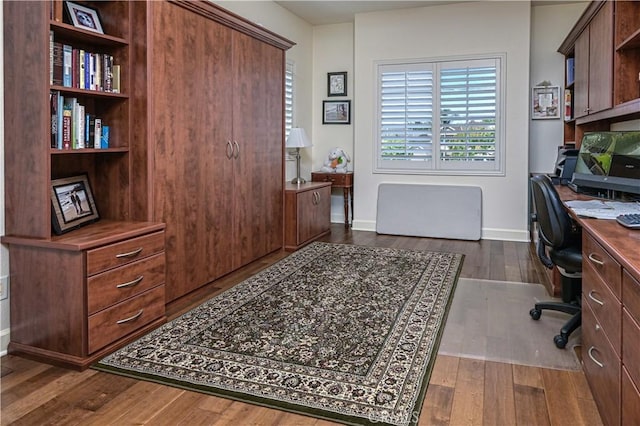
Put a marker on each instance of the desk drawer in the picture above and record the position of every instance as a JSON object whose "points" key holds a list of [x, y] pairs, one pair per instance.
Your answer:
{"points": [[116, 285], [605, 265], [631, 295], [111, 324], [121, 253], [336, 179], [604, 305], [602, 368]]}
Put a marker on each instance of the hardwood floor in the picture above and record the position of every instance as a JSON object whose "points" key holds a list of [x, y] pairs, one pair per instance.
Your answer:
{"points": [[461, 391]]}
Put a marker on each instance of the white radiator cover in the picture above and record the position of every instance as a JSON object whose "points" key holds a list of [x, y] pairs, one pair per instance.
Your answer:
{"points": [[436, 211]]}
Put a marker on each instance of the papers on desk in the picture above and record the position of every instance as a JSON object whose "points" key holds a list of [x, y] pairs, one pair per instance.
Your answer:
{"points": [[599, 209]]}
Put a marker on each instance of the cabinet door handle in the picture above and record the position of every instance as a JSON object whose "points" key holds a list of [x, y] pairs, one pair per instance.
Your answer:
{"points": [[592, 297], [131, 283], [598, 363], [131, 318], [592, 257], [229, 150], [237, 149], [129, 254]]}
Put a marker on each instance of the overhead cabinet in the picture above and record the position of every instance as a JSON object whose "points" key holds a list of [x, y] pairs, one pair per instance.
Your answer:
{"points": [[215, 103]]}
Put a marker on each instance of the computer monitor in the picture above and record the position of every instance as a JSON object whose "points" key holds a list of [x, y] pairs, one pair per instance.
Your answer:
{"points": [[609, 161]]}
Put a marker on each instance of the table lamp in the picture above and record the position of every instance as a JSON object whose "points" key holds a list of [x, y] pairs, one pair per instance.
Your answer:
{"points": [[298, 139]]}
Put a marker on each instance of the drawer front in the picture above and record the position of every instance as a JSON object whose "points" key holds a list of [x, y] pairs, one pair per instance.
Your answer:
{"points": [[603, 263], [337, 179], [631, 345], [604, 305], [631, 295], [602, 368], [116, 285], [111, 324], [124, 252], [630, 400]]}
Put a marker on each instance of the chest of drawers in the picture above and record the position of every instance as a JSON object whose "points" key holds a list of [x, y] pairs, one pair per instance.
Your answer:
{"points": [[79, 297]]}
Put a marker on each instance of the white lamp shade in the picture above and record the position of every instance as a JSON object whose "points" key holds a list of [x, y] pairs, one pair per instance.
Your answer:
{"points": [[298, 138]]}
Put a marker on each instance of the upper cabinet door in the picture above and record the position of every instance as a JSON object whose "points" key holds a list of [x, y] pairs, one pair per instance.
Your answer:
{"points": [[601, 60]]}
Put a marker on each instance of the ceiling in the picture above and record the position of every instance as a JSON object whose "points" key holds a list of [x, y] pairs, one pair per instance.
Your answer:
{"points": [[337, 12]]}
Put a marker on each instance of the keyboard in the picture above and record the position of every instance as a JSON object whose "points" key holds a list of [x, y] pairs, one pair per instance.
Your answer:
{"points": [[630, 220]]}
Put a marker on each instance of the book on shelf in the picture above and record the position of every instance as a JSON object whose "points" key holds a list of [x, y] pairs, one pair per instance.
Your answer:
{"points": [[568, 105], [56, 63], [67, 65], [67, 113], [104, 140], [115, 85], [53, 98], [97, 133], [570, 71]]}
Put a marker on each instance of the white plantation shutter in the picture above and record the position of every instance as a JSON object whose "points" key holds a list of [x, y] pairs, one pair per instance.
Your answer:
{"points": [[288, 99], [461, 97]]}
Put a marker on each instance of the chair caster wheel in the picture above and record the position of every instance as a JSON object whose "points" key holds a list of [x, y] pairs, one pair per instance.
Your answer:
{"points": [[560, 341], [535, 313]]}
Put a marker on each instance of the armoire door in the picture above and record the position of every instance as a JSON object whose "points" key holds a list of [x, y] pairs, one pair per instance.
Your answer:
{"points": [[258, 130], [191, 126]]}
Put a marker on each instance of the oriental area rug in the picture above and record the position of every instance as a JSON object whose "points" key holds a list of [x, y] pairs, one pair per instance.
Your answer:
{"points": [[341, 332]]}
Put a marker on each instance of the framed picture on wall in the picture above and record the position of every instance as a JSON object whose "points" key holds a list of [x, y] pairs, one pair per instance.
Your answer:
{"points": [[72, 203], [337, 83], [336, 112], [545, 102]]}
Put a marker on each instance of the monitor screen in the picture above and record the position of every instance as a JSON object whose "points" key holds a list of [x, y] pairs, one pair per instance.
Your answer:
{"points": [[609, 160]]}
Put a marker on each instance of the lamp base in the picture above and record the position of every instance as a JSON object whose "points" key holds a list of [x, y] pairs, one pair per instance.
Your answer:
{"points": [[298, 180]]}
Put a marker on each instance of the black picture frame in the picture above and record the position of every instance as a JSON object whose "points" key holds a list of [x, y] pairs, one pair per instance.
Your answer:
{"points": [[83, 17], [337, 83], [336, 112], [72, 203]]}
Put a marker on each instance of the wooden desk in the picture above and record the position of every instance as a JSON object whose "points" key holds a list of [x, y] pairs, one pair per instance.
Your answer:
{"points": [[339, 180], [610, 315]]}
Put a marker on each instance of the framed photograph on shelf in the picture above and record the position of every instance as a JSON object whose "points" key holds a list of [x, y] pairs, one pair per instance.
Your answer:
{"points": [[83, 17], [72, 203], [336, 112], [337, 83], [545, 102]]}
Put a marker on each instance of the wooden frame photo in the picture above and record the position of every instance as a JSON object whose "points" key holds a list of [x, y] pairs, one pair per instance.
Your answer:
{"points": [[84, 17], [72, 203], [337, 83], [336, 112], [545, 102]]}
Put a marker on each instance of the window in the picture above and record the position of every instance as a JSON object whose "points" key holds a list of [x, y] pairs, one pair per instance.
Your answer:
{"points": [[288, 99], [440, 117]]}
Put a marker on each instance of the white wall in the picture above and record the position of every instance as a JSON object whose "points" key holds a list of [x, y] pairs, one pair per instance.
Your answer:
{"points": [[550, 25], [332, 52], [440, 31]]}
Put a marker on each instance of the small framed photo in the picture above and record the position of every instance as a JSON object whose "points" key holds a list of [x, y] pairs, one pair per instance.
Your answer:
{"points": [[545, 102], [337, 83], [84, 17], [72, 203], [336, 112]]}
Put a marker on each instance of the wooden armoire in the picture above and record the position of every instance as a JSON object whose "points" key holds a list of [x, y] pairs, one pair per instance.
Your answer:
{"points": [[208, 161]]}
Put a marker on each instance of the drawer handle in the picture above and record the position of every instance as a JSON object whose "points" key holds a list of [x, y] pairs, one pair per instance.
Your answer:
{"points": [[592, 257], [598, 363], [599, 302], [129, 254], [131, 283], [131, 318]]}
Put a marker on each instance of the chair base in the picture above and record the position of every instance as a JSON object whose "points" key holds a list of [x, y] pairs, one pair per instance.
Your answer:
{"points": [[569, 327]]}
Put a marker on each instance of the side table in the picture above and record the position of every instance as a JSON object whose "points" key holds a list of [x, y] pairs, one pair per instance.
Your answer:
{"points": [[339, 180]]}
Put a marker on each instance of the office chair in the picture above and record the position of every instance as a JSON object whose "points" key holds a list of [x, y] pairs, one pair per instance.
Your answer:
{"points": [[563, 237]]}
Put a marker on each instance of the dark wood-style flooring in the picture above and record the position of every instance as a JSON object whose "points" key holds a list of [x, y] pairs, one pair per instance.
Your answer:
{"points": [[461, 391]]}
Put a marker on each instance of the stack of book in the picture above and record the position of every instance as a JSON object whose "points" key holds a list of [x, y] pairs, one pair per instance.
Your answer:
{"points": [[72, 127], [81, 69]]}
